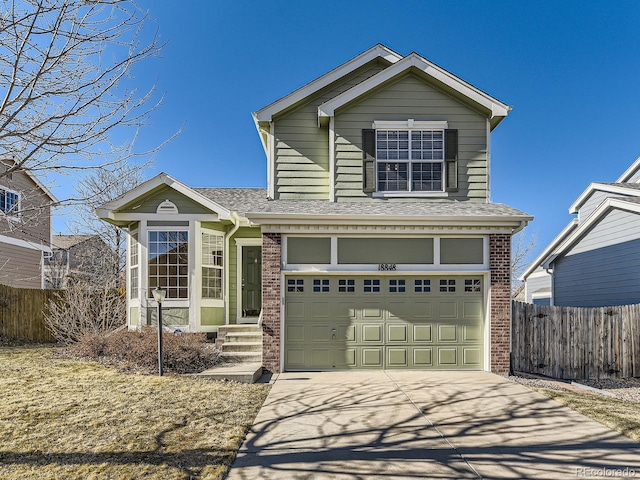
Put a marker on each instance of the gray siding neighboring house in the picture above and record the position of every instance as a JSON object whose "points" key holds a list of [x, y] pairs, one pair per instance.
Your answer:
{"points": [[595, 261], [25, 227]]}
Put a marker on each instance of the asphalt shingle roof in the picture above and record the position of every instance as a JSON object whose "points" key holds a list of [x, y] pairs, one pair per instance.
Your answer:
{"points": [[254, 200]]}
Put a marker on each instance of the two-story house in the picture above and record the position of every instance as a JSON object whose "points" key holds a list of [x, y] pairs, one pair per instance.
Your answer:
{"points": [[594, 261], [81, 257], [25, 227], [374, 245]]}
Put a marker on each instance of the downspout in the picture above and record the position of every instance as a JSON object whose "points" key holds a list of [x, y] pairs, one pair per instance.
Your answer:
{"points": [[227, 241]]}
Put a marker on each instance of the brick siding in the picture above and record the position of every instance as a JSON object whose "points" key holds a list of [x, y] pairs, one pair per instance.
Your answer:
{"points": [[271, 293], [500, 298]]}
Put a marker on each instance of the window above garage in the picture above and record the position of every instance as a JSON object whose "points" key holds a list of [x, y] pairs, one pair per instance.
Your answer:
{"points": [[410, 158]]}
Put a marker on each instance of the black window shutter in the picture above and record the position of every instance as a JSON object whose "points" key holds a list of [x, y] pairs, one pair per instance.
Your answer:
{"points": [[368, 160], [451, 159]]}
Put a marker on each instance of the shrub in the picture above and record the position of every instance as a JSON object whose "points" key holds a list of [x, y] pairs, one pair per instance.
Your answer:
{"points": [[85, 309], [138, 350]]}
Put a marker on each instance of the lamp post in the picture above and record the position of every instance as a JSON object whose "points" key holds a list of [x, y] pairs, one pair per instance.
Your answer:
{"points": [[159, 294]]}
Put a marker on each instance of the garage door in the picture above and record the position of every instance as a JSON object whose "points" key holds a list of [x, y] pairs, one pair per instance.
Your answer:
{"points": [[414, 322]]}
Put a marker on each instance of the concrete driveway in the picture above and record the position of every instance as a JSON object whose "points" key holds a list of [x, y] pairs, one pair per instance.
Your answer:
{"points": [[422, 425]]}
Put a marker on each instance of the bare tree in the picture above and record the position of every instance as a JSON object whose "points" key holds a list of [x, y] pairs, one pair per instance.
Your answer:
{"points": [[99, 187], [67, 89], [520, 256]]}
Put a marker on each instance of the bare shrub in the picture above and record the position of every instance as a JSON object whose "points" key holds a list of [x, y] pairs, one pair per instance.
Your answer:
{"points": [[138, 350], [83, 309]]}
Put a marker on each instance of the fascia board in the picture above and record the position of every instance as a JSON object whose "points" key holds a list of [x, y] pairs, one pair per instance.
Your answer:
{"points": [[35, 179], [24, 243], [319, 219], [584, 196], [604, 208], [539, 260], [629, 171], [163, 179], [379, 50], [495, 106]]}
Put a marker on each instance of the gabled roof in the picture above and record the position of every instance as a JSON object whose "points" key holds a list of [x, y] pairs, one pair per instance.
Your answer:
{"points": [[108, 210], [377, 51], [630, 172], [65, 242], [35, 180], [548, 251], [496, 109], [574, 231], [618, 188]]}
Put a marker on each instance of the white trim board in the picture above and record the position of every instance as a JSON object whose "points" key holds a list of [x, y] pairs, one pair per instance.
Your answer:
{"points": [[24, 243]]}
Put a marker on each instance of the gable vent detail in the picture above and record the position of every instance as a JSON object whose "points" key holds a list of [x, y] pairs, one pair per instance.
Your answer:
{"points": [[167, 207]]}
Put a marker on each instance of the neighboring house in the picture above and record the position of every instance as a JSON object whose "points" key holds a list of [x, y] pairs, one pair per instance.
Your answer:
{"points": [[25, 227], [374, 245], [595, 260], [79, 257]]}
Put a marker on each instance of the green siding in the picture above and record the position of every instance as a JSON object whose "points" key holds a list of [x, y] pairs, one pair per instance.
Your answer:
{"points": [[170, 316], [306, 250], [211, 316], [134, 314], [150, 204], [243, 232], [385, 250], [302, 148], [411, 97], [459, 251]]}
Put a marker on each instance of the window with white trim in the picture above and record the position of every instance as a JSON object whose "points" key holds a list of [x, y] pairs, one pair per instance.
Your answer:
{"points": [[410, 160], [9, 201], [212, 265], [133, 266], [169, 263]]}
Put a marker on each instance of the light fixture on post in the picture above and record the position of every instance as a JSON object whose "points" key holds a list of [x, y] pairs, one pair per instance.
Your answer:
{"points": [[159, 294]]}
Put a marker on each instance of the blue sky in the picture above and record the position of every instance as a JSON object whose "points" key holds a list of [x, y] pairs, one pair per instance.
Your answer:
{"points": [[570, 69]]}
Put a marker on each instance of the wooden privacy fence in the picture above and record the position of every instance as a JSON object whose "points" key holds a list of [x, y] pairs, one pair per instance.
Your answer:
{"points": [[21, 313], [576, 343]]}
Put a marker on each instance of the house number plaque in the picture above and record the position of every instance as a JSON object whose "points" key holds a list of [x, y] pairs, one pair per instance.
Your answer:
{"points": [[387, 267]]}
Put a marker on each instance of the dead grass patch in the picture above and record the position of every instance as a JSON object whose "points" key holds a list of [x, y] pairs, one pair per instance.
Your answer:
{"points": [[619, 415], [70, 419]]}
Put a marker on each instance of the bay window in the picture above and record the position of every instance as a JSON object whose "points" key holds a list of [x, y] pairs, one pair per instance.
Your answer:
{"points": [[169, 263], [212, 265]]}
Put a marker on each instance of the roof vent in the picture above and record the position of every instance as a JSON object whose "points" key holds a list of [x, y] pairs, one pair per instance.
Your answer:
{"points": [[167, 207]]}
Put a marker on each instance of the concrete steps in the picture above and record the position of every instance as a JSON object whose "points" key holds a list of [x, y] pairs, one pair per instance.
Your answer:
{"points": [[236, 372], [240, 343]]}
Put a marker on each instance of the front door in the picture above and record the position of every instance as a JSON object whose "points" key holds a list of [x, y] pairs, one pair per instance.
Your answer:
{"points": [[251, 281]]}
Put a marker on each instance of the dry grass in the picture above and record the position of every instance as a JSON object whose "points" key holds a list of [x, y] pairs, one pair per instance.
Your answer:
{"points": [[619, 415], [72, 419]]}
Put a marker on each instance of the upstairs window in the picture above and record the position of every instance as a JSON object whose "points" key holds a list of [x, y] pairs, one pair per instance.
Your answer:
{"points": [[409, 160], [410, 156], [9, 201]]}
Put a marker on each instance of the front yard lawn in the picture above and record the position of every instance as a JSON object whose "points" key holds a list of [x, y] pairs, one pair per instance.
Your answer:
{"points": [[72, 419], [619, 415]]}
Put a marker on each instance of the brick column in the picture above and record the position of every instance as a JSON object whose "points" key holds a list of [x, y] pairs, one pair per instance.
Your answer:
{"points": [[500, 298], [271, 262]]}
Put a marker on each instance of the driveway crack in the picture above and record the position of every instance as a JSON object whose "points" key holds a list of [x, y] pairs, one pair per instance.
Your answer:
{"points": [[442, 435]]}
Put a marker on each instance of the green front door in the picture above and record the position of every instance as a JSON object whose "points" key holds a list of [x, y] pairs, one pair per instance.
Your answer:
{"points": [[251, 281], [414, 322]]}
